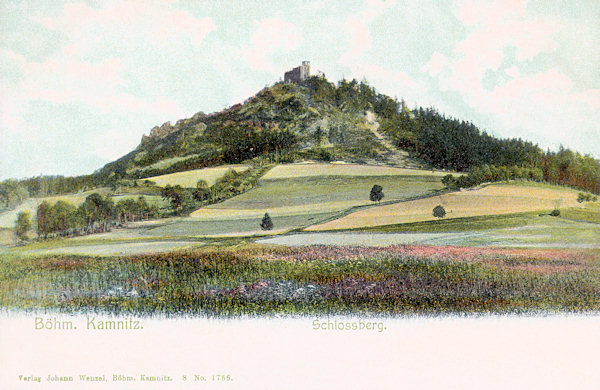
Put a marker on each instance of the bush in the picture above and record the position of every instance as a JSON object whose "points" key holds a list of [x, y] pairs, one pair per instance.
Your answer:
{"points": [[586, 197], [555, 213], [266, 223], [450, 182], [439, 211]]}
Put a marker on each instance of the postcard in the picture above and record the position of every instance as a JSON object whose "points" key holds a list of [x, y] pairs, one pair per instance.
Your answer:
{"points": [[369, 194]]}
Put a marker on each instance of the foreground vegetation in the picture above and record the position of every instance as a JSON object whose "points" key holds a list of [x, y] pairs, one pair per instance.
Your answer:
{"points": [[259, 280]]}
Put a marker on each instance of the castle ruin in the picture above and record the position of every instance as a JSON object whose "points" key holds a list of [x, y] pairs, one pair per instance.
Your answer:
{"points": [[298, 74]]}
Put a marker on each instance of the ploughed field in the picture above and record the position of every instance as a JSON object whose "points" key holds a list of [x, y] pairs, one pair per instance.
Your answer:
{"points": [[263, 280]]}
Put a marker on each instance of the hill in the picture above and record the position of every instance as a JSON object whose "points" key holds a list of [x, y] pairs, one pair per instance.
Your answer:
{"points": [[319, 120], [283, 122]]}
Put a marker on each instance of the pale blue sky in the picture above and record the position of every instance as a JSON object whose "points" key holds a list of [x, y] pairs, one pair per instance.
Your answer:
{"points": [[81, 81]]}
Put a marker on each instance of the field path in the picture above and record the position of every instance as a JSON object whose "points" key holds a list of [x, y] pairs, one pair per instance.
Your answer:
{"points": [[396, 156]]}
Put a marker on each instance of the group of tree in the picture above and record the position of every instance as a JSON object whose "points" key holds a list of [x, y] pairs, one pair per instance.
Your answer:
{"points": [[12, 193], [490, 173], [96, 214], [448, 143], [230, 184]]}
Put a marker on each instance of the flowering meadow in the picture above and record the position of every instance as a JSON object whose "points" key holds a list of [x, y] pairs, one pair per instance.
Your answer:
{"points": [[265, 280]]}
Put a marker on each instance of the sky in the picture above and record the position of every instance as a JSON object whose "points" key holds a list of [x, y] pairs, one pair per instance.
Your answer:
{"points": [[82, 81]]}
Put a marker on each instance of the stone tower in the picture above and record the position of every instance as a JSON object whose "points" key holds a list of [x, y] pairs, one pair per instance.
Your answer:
{"points": [[298, 74], [305, 70]]}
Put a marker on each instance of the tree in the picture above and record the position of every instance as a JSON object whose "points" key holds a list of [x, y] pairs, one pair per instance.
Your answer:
{"points": [[22, 225], [439, 211], [376, 193], [43, 217], [319, 134], [175, 194], [202, 191], [62, 216], [267, 223], [96, 210]]}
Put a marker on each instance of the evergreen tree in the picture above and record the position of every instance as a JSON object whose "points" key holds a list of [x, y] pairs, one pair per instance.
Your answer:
{"points": [[266, 223]]}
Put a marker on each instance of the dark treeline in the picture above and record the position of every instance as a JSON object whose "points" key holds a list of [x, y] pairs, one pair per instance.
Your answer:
{"points": [[449, 143], [96, 214], [51, 185], [247, 139]]}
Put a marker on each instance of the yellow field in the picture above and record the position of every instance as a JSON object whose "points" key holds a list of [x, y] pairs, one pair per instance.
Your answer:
{"points": [[287, 171], [490, 200], [188, 179]]}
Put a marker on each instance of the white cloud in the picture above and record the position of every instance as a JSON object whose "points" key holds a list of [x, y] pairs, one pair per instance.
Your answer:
{"points": [[119, 22], [529, 97], [389, 81], [357, 29], [494, 27], [435, 65], [272, 36], [476, 12]]}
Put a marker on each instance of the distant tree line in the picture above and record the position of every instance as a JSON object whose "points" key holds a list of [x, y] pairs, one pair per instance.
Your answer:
{"points": [[13, 192]]}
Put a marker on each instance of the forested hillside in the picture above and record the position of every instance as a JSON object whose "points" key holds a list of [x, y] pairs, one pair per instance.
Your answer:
{"points": [[319, 120]]}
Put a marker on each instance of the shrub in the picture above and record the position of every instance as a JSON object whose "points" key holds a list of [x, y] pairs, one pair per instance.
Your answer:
{"points": [[586, 197], [555, 213], [439, 211], [450, 182]]}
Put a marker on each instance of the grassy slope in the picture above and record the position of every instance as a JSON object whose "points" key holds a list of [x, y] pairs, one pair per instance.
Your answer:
{"points": [[493, 199], [298, 195]]}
